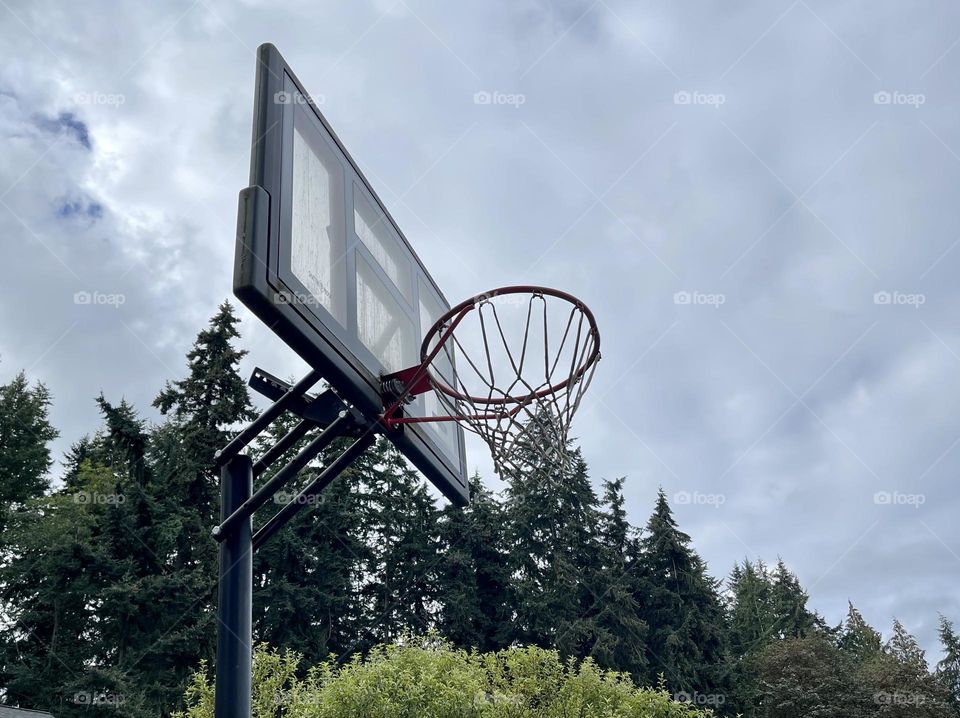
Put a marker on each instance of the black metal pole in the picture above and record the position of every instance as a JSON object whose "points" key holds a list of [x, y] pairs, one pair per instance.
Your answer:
{"points": [[235, 603]]}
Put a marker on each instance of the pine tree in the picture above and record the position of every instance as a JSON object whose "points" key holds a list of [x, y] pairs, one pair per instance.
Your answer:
{"points": [[473, 583], [104, 540], [25, 435], [686, 642], [305, 578], [202, 409], [621, 631], [805, 677], [948, 669], [552, 518], [860, 641], [399, 522], [751, 609], [900, 684], [51, 591], [752, 624], [905, 650], [138, 536], [792, 619], [28, 628]]}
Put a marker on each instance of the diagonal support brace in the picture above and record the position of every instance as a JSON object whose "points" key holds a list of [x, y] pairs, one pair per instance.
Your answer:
{"points": [[331, 472]]}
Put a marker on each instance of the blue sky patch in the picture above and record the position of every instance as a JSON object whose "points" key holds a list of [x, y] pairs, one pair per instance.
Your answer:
{"points": [[80, 209], [65, 122]]}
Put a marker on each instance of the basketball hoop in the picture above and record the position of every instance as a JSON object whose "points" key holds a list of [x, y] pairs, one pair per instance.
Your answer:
{"points": [[524, 356]]}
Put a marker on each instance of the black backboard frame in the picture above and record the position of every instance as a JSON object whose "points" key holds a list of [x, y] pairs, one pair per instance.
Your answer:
{"points": [[263, 286]]}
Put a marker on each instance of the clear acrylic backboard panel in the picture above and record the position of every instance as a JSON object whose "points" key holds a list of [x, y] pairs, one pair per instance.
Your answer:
{"points": [[321, 261]]}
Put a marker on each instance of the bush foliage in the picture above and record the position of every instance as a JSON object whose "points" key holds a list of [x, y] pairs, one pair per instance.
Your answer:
{"points": [[432, 679]]}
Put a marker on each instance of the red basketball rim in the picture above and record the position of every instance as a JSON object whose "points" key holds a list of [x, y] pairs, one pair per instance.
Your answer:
{"points": [[457, 313]]}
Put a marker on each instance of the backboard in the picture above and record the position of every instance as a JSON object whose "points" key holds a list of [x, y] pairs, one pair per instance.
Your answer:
{"points": [[321, 262]]}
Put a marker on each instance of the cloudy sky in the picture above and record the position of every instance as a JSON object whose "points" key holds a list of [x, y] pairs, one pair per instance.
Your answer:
{"points": [[758, 200]]}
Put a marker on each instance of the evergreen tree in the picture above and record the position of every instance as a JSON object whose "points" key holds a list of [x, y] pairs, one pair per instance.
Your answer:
{"points": [[202, 410], [51, 590], [752, 621], [103, 607], [138, 536], [686, 642], [305, 577], [621, 631], [860, 641], [752, 614], [948, 669], [25, 435], [805, 677], [905, 650], [551, 514], [399, 525], [900, 684], [473, 584], [792, 619]]}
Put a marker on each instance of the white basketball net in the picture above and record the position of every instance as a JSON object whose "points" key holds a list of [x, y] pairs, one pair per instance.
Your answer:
{"points": [[523, 361]]}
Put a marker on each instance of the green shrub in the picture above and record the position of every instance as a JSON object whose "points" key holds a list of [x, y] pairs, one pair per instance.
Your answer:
{"points": [[430, 679]]}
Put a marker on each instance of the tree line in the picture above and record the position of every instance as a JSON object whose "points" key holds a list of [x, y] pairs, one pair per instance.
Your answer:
{"points": [[108, 573]]}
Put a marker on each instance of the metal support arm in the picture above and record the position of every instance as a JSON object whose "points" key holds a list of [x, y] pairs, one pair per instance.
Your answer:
{"points": [[296, 504], [336, 430]]}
